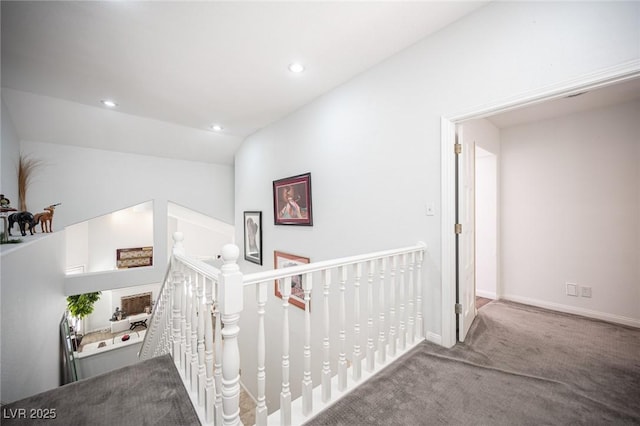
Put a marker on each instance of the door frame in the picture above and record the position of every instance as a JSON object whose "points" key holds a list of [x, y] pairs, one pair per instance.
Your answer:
{"points": [[591, 81]]}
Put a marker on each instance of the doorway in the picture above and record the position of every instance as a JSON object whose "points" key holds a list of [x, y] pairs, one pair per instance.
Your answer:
{"points": [[486, 216], [450, 249]]}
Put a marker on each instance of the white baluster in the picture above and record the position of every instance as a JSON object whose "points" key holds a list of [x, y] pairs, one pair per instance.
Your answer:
{"points": [[326, 348], [203, 311], [165, 307], [420, 319], [285, 393], [194, 334], [412, 321], [183, 324], [177, 305], [168, 338], [170, 321], [217, 370], [307, 385], [357, 356], [231, 303], [403, 327], [392, 309], [382, 349], [261, 407], [371, 350], [342, 357], [187, 327], [210, 388]]}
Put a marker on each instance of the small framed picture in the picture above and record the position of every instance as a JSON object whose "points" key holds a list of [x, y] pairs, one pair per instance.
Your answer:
{"points": [[292, 200], [253, 237], [285, 260], [134, 257]]}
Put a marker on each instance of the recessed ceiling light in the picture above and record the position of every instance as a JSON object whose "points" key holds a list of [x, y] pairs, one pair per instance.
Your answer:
{"points": [[216, 127], [296, 67], [109, 103]]}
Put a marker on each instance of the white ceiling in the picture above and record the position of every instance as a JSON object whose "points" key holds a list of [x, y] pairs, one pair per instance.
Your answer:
{"points": [[182, 66], [177, 67]]}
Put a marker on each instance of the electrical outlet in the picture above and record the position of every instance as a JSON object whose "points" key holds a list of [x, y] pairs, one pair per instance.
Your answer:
{"points": [[572, 289], [585, 291]]}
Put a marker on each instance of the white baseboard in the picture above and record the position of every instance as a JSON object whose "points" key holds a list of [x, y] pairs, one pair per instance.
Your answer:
{"points": [[604, 316], [434, 338], [487, 294], [255, 401]]}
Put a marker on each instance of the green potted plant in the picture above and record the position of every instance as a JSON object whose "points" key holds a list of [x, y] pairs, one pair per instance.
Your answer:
{"points": [[81, 305]]}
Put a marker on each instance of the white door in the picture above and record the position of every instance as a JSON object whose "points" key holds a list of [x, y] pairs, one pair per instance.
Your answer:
{"points": [[466, 236]]}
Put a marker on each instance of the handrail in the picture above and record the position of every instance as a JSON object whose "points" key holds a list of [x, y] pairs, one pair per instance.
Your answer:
{"points": [[155, 308], [183, 325], [198, 266], [258, 277]]}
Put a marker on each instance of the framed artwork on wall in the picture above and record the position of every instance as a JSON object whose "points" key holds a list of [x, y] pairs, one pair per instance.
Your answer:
{"points": [[292, 200], [253, 237], [134, 257], [285, 260]]}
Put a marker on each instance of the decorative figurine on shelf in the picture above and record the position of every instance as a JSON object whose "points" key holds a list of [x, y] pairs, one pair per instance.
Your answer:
{"points": [[24, 220], [117, 315], [45, 218], [4, 202]]}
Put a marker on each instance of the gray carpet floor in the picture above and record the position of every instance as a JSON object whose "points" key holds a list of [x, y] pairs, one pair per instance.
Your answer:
{"points": [[520, 365], [147, 393]]}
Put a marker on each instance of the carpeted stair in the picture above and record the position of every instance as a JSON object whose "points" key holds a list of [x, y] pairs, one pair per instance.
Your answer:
{"points": [[147, 393]]}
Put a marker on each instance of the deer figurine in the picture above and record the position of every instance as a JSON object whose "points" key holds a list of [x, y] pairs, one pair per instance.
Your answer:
{"points": [[46, 218]]}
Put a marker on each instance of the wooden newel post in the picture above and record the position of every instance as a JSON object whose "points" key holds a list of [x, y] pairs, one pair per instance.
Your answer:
{"points": [[230, 296]]}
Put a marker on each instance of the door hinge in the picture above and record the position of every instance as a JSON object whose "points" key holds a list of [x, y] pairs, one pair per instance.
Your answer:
{"points": [[458, 308], [458, 228], [457, 148]]}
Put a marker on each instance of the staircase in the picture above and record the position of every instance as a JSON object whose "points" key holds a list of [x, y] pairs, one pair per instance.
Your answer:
{"points": [[367, 311]]}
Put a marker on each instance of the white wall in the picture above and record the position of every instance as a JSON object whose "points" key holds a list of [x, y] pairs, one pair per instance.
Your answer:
{"points": [[105, 361], [372, 145], [90, 183], [9, 154], [204, 236], [93, 243], [33, 301], [571, 212], [127, 228], [109, 300], [77, 245]]}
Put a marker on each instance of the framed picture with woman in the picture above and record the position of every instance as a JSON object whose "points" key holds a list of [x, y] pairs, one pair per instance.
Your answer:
{"points": [[253, 237], [292, 200]]}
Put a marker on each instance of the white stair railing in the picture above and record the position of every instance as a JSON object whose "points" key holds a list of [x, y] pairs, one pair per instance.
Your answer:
{"points": [[182, 325], [197, 314], [377, 345]]}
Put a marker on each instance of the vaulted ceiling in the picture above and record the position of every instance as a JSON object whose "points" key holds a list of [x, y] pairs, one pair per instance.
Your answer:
{"points": [[177, 68]]}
